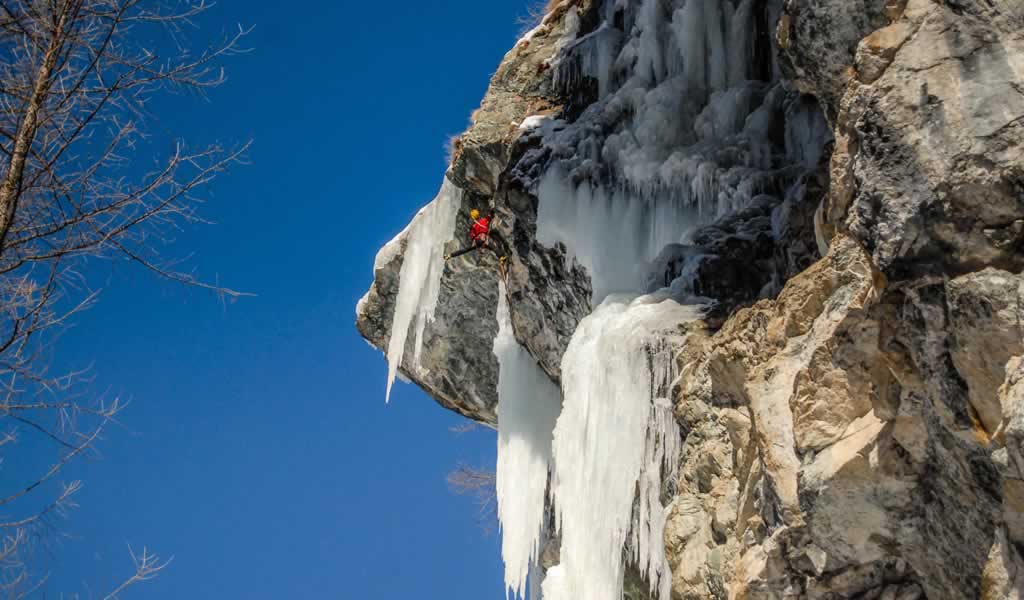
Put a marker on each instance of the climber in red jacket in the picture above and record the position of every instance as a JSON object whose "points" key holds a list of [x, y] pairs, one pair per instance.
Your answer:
{"points": [[479, 237]]}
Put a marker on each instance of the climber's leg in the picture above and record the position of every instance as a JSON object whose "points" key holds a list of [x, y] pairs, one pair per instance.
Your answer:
{"points": [[471, 248], [496, 245]]}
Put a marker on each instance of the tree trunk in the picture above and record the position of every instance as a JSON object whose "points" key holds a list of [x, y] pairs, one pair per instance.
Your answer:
{"points": [[10, 189]]}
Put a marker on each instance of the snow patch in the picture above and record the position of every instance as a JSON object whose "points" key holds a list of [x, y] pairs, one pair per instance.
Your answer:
{"points": [[361, 305], [529, 35], [391, 250], [532, 122]]}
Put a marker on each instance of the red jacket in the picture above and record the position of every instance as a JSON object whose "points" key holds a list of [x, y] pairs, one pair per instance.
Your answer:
{"points": [[481, 227]]}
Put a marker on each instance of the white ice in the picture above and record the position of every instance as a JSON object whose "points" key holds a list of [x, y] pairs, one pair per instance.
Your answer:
{"points": [[420, 276], [615, 431], [610, 232], [528, 405]]}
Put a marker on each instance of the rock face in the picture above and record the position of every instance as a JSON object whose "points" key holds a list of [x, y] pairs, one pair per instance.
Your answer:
{"points": [[852, 406], [847, 455], [929, 132], [457, 367]]}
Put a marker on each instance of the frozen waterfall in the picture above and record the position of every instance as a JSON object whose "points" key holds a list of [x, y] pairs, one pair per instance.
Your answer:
{"points": [[616, 431], [692, 123]]}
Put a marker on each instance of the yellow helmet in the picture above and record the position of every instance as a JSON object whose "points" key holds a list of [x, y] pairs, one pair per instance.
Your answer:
{"points": [[474, 214]]}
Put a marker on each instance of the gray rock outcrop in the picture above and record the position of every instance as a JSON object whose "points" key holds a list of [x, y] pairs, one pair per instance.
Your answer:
{"points": [[461, 370]]}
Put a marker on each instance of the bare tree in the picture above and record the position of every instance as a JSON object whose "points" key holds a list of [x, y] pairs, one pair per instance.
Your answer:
{"points": [[479, 483], [81, 180]]}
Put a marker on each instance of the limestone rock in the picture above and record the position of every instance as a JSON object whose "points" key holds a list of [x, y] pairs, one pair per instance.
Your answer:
{"points": [[986, 311], [861, 470], [932, 141]]}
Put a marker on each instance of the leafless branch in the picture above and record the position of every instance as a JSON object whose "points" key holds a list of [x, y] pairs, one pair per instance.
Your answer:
{"points": [[479, 483], [465, 427], [147, 566]]}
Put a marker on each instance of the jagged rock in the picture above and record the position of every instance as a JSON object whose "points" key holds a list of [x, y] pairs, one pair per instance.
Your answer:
{"points": [[931, 144], [852, 438], [986, 311], [548, 296], [1011, 396], [1004, 573], [819, 41]]}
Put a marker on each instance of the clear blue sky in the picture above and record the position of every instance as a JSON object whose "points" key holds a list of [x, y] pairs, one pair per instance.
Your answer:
{"points": [[258, 450]]}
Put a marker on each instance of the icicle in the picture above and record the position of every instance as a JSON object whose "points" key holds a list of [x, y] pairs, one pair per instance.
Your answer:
{"points": [[688, 26], [678, 93], [586, 219], [807, 132], [528, 405], [718, 63], [419, 280], [650, 65], [661, 460], [598, 57], [740, 43]]}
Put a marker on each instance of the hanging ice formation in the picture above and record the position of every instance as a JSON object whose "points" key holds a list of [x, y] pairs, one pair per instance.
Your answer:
{"points": [[419, 283], [692, 122], [616, 434], [528, 404]]}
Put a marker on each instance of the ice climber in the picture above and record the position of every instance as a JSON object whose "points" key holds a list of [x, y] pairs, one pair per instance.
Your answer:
{"points": [[479, 237]]}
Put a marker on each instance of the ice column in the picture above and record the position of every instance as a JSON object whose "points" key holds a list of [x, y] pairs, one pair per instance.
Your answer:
{"points": [[528, 405], [616, 430]]}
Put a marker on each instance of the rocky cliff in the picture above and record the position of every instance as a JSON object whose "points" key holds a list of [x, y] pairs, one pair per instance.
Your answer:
{"points": [[766, 256]]}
